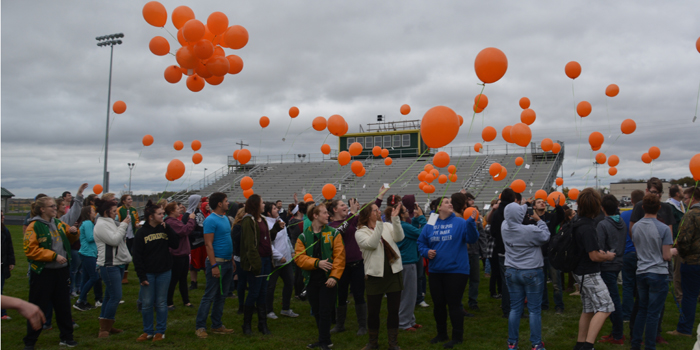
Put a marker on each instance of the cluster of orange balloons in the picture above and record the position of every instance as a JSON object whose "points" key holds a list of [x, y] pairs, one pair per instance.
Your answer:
{"points": [[480, 102], [430, 174], [653, 153], [358, 168], [380, 152], [242, 155], [201, 56], [247, 186]]}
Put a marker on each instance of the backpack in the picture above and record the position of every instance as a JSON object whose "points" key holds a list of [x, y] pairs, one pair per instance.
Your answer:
{"points": [[564, 253]]}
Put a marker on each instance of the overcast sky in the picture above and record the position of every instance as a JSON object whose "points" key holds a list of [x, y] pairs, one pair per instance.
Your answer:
{"points": [[357, 59]]}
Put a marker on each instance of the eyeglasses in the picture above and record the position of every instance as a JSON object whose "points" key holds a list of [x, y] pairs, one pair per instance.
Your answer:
{"points": [[51, 206]]}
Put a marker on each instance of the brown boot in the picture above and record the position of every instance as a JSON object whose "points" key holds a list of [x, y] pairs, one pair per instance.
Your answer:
{"points": [[373, 340], [105, 326], [113, 330], [393, 339], [125, 279]]}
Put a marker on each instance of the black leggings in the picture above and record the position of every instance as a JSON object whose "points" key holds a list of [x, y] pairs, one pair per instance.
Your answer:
{"points": [[353, 277], [321, 299], [495, 283], [50, 289], [447, 290], [374, 307], [181, 266]]}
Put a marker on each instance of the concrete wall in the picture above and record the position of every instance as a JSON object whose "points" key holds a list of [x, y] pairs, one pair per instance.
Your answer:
{"points": [[626, 188]]}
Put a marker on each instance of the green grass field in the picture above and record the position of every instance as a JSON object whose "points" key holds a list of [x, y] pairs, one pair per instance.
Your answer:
{"points": [[486, 331]]}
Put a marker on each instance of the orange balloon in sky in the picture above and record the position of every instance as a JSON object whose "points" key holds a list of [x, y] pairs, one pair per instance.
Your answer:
{"points": [[193, 30], [428, 167], [612, 171], [546, 144], [518, 186], [244, 156], [247, 193], [441, 159], [235, 64], [196, 145], [355, 149], [147, 140], [559, 181], [264, 121], [528, 116], [159, 46], [596, 140], [506, 134], [495, 168], [405, 109], [214, 80], [343, 158], [337, 125], [181, 15], [319, 123], [501, 175], [172, 74], [654, 152], [556, 148], [356, 166], [329, 191], [478, 146], [489, 134], [236, 37], [612, 90], [573, 194], [613, 160], [628, 126], [477, 109], [452, 169], [362, 172], [178, 145], [325, 149], [196, 158], [217, 23], [294, 112], [97, 189], [646, 158], [521, 134], [583, 109], [388, 161], [600, 158], [481, 101], [203, 49], [155, 14], [572, 69], [186, 58], [519, 161], [195, 83], [235, 154], [461, 120], [490, 65], [384, 153], [694, 164], [541, 194], [554, 196], [442, 178], [439, 126], [524, 103], [119, 107], [452, 177], [697, 45], [376, 151], [176, 169]]}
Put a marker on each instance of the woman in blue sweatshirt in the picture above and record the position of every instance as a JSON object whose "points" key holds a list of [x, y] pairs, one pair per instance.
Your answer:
{"points": [[445, 244], [88, 256]]}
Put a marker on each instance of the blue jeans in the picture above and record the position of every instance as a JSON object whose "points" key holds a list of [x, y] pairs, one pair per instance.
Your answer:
{"points": [[690, 280], [91, 278], [487, 266], [76, 275], [610, 279], [155, 295], [214, 295], [629, 283], [112, 277], [653, 289], [257, 286], [522, 283]]}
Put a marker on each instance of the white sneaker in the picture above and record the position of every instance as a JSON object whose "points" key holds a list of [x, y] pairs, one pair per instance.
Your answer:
{"points": [[289, 313], [98, 303], [423, 304], [272, 315], [121, 301]]}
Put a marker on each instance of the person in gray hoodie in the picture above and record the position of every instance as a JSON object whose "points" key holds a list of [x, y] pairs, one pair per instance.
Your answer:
{"points": [[524, 273], [611, 233]]}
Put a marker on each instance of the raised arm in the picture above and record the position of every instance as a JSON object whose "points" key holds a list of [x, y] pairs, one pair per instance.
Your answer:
{"points": [[369, 239]]}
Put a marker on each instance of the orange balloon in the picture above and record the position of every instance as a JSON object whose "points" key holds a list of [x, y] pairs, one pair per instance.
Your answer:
{"points": [[388, 161], [477, 110], [119, 107], [612, 90], [176, 169], [218, 51], [155, 14], [294, 112], [196, 158], [355, 149], [583, 109], [541, 194], [600, 158], [195, 83], [264, 121], [612, 171], [244, 156], [376, 151], [429, 178], [572, 69], [218, 66], [203, 49], [193, 30], [159, 46], [697, 45], [477, 147], [441, 159], [168, 177], [181, 15], [518, 186], [646, 158], [147, 140], [501, 175], [461, 120], [506, 134], [495, 168], [421, 185], [172, 74], [452, 177], [694, 166], [319, 123], [356, 166], [481, 101], [434, 172], [556, 148], [519, 161], [628, 126], [595, 149], [329, 191], [546, 144], [185, 57], [385, 153], [181, 38], [528, 116], [97, 189], [202, 70], [428, 167], [490, 65], [521, 134], [559, 181], [524, 103], [452, 169], [442, 179], [308, 197], [405, 109], [214, 80], [362, 172], [247, 193], [343, 158], [235, 64], [236, 37], [246, 183], [217, 23], [178, 145], [573, 194], [469, 211], [613, 160], [654, 152], [488, 134], [554, 196], [596, 139], [325, 149], [422, 175], [235, 154], [439, 126], [196, 145], [337, 125]]}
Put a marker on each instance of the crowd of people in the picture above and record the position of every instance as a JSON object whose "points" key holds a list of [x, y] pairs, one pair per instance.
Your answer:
{"points": [[323, 251]]}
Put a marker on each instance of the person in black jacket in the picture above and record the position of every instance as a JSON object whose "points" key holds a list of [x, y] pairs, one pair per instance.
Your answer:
{"points": [[8, 259], [153, 263]]}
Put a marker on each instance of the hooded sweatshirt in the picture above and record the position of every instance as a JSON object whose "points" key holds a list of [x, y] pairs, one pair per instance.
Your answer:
{"points": [[449, 238], [611, 237], [522, 242], [151, 249], [281, 246], [111, 245]]}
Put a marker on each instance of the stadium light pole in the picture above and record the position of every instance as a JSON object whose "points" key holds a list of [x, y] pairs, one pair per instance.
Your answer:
{"points": [[131, 167], [102, 41]]}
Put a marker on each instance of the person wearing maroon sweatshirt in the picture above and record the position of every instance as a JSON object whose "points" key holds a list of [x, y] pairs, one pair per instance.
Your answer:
{"points": [[181, 254]]}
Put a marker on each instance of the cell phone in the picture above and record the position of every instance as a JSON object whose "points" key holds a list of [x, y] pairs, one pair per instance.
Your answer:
{"points": [[142, 222]]}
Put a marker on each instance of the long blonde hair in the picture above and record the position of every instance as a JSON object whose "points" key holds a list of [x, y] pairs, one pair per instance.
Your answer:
{"points": [[40, 203]]}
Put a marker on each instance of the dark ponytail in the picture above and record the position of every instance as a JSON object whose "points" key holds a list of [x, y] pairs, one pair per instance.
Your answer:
{"points": [[104, 206], [150, 209]]}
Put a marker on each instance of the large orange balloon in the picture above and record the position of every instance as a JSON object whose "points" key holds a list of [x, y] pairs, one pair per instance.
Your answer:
{"points": [[355, 149], [428, 167], [481, 101], [613, 160], [452, 169], [546, 144], [596, 140], [195, 83], [573, 194], [343, 158], [147, 140], [196, 145], [469, 211], [528, 116], [388, 161], [308, 197], [600, 158], [294, 112], [490, 65], [181, 38], [442, 179], [193, 30], [628, 126], [235, 64], [203, 49], [452, 177], [337, 125], [422, 175], [519, 161], [235, 154], [244, 156], [524, 103], [186, 58], [246, 183], [556, 196], [694, 165], [477, 110], [583, 109], [236, 37], [362, 172], [325, 149], [559, 181], [556, 148], [495, 168], [176, 169], [506, 134], [477, 147], [405, 109], [155, 14], [178, 145], [119, 107], [356, 166], [612, 90], [501, 175], [421, 185], [376, 151], [181, 15], [159, 46], [612, 171], [218, 66], [264, 121], [247, 193], [97, 189], [489, 134], [541, 194], [214, 80], [518, 186], [172, 74], [329, 191], [521, 134], [319, 123], [654, 152], [439, 126], [441, 159], [646, 158], [197, 158], [572, 69], [217, 23], [202, 70], [384, 153]]}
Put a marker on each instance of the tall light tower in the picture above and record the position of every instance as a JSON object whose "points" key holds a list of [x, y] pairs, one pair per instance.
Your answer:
{"points": [[108, 40]]}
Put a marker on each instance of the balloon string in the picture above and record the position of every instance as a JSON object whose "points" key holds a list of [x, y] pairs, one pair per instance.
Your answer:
{"points": [[285, 134], [171, 34], [696, 103], [295, 138], [260, 143], [573, 95], [607, 113], [483, 86]]}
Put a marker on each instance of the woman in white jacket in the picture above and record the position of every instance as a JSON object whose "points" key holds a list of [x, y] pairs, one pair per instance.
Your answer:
{"points": [[112, 256], [282, 252], [383, 267]]}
